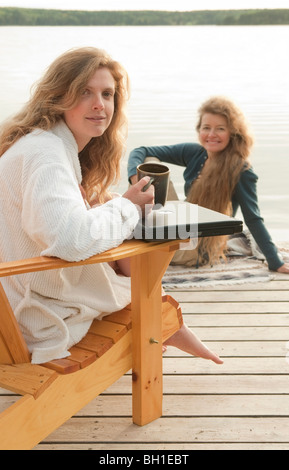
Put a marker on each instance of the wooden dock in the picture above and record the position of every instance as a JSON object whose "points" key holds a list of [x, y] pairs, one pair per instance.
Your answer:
{"points": [[240, 405]]}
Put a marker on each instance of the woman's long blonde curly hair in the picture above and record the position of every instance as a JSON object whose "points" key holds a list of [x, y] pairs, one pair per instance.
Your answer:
{"points": [[215, 187], [59, 90]]}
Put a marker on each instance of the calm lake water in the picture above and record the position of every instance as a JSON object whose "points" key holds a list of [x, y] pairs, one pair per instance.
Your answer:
{"points": [[172, 71]]}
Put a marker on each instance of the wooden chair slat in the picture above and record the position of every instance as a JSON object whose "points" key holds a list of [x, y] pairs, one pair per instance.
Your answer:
{"points": [[63, 366], [172, 318], [111, 330], [27, 378], [124, 317], [173, 304], [83, 356], [95, 343]]}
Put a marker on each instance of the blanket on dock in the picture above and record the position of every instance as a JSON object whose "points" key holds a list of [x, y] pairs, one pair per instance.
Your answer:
{"points": [[245, 263]]}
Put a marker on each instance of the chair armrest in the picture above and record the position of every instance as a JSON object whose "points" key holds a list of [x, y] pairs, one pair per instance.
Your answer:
{"points": [[125, 250]]}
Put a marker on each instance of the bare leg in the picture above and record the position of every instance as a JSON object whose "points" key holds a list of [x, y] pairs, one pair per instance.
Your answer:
{"points": [[124, 266], [187, 341], [121, 266]]}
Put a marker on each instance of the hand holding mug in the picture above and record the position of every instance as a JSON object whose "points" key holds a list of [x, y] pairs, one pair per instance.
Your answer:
{"points": [[143, 199]]}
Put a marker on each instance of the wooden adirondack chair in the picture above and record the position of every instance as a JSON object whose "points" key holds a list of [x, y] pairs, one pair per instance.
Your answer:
{"points": [[129, 339]]}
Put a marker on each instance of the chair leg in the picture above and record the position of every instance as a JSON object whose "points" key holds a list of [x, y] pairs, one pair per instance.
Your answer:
{"points": [[147, 272]]}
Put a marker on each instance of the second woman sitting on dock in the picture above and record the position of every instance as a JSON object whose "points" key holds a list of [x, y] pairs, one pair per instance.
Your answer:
{"points": [[218, 176]]}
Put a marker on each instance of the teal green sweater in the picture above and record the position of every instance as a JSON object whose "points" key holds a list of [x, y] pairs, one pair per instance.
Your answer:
{"points": [[192, 157]]}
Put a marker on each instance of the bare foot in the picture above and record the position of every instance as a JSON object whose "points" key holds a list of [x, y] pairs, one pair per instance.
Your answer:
{"points": [[187, 341]]}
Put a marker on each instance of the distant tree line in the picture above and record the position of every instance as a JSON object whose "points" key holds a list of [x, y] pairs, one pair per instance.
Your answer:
{"points": [[38, 17]]}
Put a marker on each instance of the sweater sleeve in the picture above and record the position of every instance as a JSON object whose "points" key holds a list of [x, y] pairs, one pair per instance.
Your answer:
{"points": [[246, 196], [55, 217], [177, 154]]}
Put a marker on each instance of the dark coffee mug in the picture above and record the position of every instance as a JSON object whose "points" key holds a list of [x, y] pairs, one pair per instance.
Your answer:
{"points": [[160, 176]]}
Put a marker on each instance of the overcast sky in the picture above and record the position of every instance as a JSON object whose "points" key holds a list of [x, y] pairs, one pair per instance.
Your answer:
{"points": [[146, 4]]}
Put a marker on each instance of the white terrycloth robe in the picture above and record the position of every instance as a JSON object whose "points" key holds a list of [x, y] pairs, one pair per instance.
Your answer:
{"points": [[43, 213]]}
